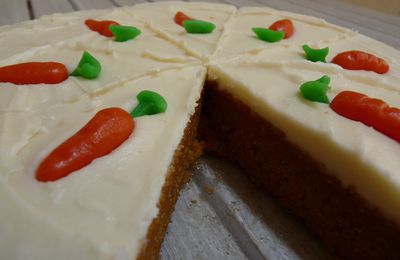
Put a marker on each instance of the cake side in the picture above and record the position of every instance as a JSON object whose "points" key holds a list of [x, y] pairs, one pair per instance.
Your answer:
{"points": [[178, 175], [348, 224]]}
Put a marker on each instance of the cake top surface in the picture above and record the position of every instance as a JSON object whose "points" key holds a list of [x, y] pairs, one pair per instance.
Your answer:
{"points": [[165, 58]]}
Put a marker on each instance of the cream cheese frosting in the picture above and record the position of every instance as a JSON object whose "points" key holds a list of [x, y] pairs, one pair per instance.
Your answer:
{"points": [[158, 18], [238, 37], [103, 211]]}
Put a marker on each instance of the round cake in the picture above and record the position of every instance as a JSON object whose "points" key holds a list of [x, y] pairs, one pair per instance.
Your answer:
{"points": [[102, 111]]}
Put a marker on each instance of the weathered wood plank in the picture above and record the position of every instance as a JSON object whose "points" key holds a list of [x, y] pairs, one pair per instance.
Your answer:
{"points": [[92, 4], [350, 16], [343, 5], [128, 2], [206, 1], [13, 11], [261, 227], [43, 7], [211, 1], [241, 3], [196, 231]]}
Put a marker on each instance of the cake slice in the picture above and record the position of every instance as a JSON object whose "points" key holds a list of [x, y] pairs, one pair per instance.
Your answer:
{"points": [[158, 17], [119, 205], [339, 175]]}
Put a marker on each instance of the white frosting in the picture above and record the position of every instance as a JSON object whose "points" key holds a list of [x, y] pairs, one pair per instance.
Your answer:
{"points": [[238, 36], [158, 17], [103, 211]]}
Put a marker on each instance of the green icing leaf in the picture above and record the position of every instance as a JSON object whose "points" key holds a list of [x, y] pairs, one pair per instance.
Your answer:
{"points": [[268, 35], [88, 67], [150, 103], [124, 33], [198, 26], [316, 90], [315, 54], [324, 80]]}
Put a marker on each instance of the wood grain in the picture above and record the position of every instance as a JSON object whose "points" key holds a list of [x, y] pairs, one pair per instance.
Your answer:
{"points": [[90, 4], [128, 2], [43, 7], [13, 11]]}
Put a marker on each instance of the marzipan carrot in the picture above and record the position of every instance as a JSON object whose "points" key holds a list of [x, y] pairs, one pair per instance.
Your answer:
{"points": [[180, 17], [34, 73], [285, 26], [102, 27], [359, 60], [369, 111], [107, 130]]}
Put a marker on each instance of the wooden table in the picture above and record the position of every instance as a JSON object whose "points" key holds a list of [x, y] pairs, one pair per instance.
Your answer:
{"points": [[220, 214]]}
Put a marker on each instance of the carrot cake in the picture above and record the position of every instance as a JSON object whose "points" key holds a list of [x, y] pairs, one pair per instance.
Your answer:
{"points": [[99, 112]]}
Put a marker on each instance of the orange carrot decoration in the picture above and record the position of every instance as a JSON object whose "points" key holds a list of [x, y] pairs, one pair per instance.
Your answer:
{"points": [[181, 17], [359, 60], [107, 130], [285, 26], [34, 73], [102, 27], [369, 111]]}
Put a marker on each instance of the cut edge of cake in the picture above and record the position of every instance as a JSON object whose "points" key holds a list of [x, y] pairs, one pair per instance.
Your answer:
{"points": [[347, 224]]}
